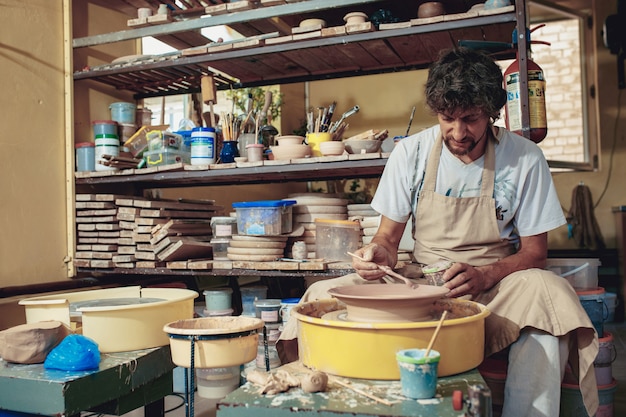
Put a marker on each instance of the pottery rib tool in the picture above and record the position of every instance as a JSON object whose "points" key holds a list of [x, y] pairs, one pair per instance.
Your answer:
{"points": [[207, 86], [432, 339], [387, 270]]}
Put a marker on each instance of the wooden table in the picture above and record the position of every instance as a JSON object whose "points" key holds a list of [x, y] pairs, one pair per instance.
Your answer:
{"points": [[125, 381], [341, 401]]}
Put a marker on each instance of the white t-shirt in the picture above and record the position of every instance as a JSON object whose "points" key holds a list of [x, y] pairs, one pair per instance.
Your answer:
{"points": [[526, 200]]}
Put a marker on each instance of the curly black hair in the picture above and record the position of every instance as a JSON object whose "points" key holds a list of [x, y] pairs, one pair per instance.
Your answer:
{"points": [[462, 79]]}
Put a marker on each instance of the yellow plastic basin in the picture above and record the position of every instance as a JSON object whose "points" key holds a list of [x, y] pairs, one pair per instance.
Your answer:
{"points": [[218, 342], [116, 326], [368, 350]]}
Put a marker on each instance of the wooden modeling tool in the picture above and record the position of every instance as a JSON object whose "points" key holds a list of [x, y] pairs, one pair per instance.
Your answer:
{"points": [[209, 96], [387, 270], [434, 336]]}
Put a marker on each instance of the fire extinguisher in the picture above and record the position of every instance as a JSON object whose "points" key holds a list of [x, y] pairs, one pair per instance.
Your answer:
{"points": [[536, 96]]}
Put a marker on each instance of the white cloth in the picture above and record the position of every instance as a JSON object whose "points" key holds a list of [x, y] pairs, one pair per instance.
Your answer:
{"points": [[525, 196]]}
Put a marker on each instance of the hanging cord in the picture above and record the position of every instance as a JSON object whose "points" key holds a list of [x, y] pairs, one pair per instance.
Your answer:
{"points": [[612, 154]]}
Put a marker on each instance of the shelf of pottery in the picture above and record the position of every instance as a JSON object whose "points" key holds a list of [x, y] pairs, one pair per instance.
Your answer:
{"points": [[126, 234]]}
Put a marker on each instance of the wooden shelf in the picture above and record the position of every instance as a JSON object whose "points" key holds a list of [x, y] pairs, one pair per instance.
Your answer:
{"points": [[215, 272], [318, 171], [323, 57]]}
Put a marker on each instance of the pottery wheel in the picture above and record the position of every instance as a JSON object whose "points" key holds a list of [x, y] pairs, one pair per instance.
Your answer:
{"points": [[378, 303]]}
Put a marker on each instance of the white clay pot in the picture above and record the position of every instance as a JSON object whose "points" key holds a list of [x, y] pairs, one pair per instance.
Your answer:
{"points": [[355, 18]]}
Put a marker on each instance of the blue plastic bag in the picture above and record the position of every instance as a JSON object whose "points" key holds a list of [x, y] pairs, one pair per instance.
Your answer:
{"points": [[74, 353]]}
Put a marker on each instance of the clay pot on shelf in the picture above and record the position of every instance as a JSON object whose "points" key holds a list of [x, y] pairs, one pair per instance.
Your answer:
{"points": [[430, 9], [355, 18]]}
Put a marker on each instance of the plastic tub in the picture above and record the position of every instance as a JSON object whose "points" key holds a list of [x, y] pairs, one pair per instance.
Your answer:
{"points": [[220, 248], [248, 296], [218, 299], [267, 310], [123, 112], [104, 127], [224, 226], [581, 273], [217, 382], [165, 157], [264, 218], [85, 156], [335, 238], [610, 299]]}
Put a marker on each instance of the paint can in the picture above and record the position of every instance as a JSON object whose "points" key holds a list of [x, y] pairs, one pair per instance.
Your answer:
{"points": [[418, 373], [85, 156], [202, 146], [106, 145]]}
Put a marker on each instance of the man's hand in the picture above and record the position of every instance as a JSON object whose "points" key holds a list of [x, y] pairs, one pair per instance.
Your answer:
{"points": [[463, 279], [374, 255]]}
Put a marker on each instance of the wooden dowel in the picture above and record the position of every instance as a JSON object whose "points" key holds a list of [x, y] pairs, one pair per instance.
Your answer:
{"points": [[367, 394], [432, 339]]}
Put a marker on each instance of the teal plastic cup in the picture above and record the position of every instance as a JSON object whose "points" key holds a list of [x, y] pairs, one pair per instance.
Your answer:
{"points": [[418, 373]]}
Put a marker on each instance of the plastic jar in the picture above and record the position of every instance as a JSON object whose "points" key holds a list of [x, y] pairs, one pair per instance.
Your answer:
{"points": [[268, 310], [220, 248], [218, 299], [123, 112], [202, 146], [248, 296], [85, 156], [104, 127], [106, 145], [224, 227], [335, 238]]}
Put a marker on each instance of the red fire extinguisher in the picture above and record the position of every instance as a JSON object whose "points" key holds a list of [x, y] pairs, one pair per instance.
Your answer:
{"points": [[536, 97]]}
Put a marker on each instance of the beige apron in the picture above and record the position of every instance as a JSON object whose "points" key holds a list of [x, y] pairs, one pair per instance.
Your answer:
{"points": [[466, 230]]}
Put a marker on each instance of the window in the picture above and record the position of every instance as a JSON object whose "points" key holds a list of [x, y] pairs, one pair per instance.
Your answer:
{"points": [[573, 137]]}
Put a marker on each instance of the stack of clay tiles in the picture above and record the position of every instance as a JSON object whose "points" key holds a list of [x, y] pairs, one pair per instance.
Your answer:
{"points": [[135, 232]]}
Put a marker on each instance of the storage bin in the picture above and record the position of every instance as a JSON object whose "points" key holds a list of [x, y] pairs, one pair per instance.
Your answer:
{"points": [[220, 248], [264, 218], [335, 238], [582, 273], [165, 157], [224, 227], [158, 140]]}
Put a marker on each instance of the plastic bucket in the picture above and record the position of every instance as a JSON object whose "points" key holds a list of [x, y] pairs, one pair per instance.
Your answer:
{"points": [[218, 299], [605, 395], [610, 299], [418, 372], [593, 302], [606, 352], [572, 404], [104, 127], [248, 296], [123, 112]]}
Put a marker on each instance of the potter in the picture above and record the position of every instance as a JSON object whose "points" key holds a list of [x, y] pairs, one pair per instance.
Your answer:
{"points": [[483, 198]]}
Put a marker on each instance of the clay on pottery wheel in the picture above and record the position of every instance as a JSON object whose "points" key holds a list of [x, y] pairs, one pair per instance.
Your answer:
{"points": [[430, 9], [377, 303]]}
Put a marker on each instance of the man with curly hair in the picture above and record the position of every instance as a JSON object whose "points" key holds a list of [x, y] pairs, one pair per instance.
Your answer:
{"points": [[483, 198]]}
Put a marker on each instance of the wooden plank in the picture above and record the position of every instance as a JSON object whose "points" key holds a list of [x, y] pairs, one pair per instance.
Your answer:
{"points": [[107, 226], [166, 214], [185, 249], [177, 265], [200, 264], [93, 205], [209, 205]]}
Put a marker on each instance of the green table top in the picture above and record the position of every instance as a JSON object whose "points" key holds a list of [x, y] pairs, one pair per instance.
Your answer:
{"points": [[35, 390], [338, 400]]}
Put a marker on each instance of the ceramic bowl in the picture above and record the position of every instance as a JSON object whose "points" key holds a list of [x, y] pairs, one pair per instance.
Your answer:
{"points": [[313, 22], [332, 148], [290, 151], [430, 9], [362, 145], [289, 140]]}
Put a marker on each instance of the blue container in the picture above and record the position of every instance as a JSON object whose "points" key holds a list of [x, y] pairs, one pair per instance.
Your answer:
{"points": [[418, 373], [264, 218], [229, 151], [595, 306], [123, 112]]}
